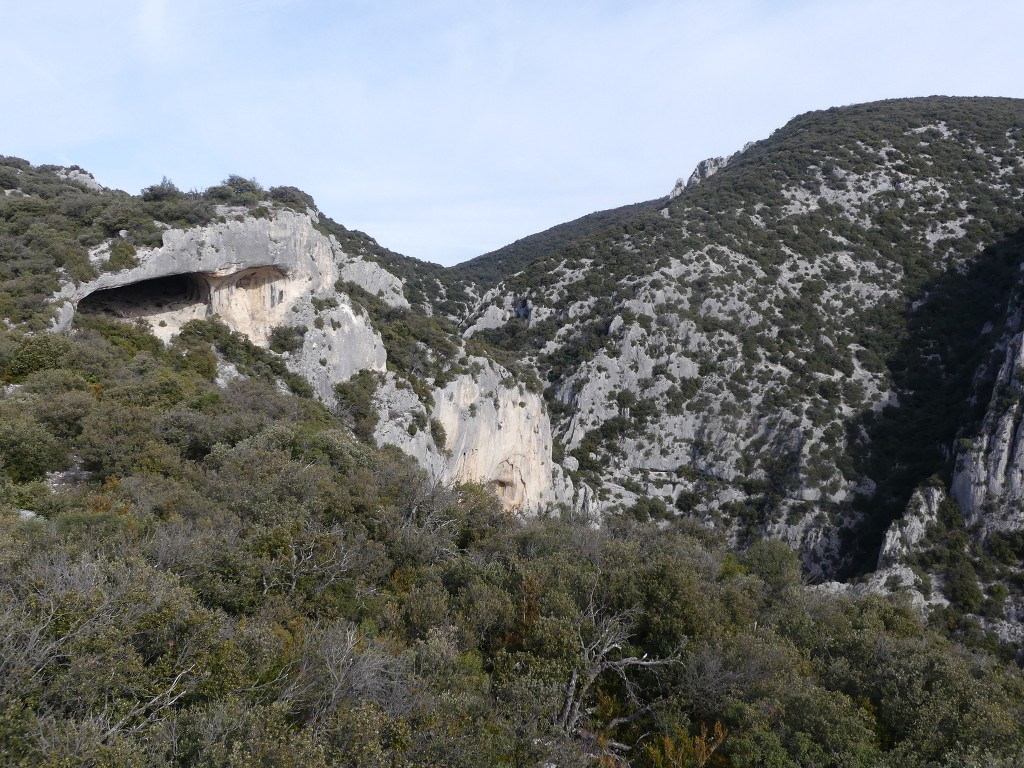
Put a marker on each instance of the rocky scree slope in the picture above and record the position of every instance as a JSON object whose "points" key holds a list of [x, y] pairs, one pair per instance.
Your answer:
{"points": [[798, 337]]}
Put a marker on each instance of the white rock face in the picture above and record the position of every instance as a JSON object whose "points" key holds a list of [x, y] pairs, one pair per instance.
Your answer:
{"points": [[375, 280], [894, 575], [255, 274], [705, 170], [496, 432], [906, 534], [79, 176], [494, 315], [989, 480], [399, 409], [259, 274]]}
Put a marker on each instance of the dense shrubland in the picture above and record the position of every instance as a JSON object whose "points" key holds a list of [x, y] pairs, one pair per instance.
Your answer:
{"points": [[229, 577]]}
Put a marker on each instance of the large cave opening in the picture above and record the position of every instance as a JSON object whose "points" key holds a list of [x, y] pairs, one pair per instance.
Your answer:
{"points": [[166, 303], [148, 297], [248, 301]]}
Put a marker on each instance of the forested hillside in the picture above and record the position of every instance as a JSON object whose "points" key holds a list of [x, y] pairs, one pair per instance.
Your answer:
{"points": [[792, 345]]}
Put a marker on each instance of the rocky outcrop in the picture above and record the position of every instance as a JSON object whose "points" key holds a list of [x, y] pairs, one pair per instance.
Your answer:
{"points": [[493, 316], [894, 574], [492, 431], [376, 280], [989, 479], [497, 433], [79, 176], [256, 274], [905, 535], [705, 170]]}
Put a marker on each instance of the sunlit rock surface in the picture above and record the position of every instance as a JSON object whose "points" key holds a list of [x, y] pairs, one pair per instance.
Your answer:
{"points": [[255, 274]]}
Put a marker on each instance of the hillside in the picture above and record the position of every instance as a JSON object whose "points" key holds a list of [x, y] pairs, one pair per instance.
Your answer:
{"points": [[490, 268], [272, 494], [735, 355]]}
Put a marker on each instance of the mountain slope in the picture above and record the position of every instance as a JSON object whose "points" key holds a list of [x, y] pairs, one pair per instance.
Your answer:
{"points": [[734, 356], [276, 289], [490, 268], [736, 352]]}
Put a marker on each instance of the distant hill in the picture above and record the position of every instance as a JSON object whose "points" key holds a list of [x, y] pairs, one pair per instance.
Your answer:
{"points": [[488, 269]]}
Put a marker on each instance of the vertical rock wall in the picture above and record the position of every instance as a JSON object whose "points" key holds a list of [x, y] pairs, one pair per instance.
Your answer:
{"points": [[988, 483]]}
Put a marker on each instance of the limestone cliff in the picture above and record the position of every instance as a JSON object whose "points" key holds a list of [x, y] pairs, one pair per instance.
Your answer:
{"points": [[904, 538], [485, 429], [497, 433], [989, 480], [256, 274], [905, 535]]}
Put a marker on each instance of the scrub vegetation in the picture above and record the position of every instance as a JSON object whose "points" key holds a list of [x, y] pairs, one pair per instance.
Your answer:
{"points": [[227, 576]]}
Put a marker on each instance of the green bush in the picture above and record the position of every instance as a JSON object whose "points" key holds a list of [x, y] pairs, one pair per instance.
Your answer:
{"points": [[961, 586], [122, 256], [165, 190], [236, 190], [287, 338], [355, 404], [27, 448], [37, 353], [439, 435], [292, 197]]}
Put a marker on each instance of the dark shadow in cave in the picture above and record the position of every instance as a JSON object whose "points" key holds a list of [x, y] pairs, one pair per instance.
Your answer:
{"points": [[161, 294]]}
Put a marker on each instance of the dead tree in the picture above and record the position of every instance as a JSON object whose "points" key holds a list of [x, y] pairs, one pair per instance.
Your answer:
{"points": [[602, 638]]}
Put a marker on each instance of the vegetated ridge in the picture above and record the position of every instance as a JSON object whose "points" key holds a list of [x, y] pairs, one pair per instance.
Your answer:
{"points": [[491, 268]]}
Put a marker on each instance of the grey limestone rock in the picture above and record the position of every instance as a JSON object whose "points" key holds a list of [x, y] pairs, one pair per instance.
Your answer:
{"points": [[988, 483], [496, 432], [705, 170], [375, 280], [255, 274], [904, 535], [79, 176], [258, 274]]}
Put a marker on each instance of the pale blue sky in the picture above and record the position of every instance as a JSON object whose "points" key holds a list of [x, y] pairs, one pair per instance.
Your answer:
{"points": [[448, 128]]}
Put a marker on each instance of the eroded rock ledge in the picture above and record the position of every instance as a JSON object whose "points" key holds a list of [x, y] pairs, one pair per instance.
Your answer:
{"points": [[255, 274]]}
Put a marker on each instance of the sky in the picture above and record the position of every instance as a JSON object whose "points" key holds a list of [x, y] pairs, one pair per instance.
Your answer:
{"points": [[448, 128]]}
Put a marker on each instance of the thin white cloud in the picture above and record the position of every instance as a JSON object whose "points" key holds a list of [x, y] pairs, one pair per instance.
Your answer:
{"points": [[152, 22]]}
